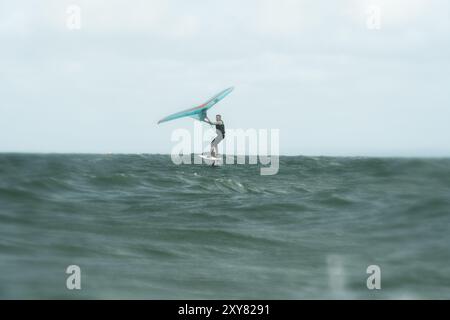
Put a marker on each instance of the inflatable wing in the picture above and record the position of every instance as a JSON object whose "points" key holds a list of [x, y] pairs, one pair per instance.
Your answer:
{"points": [[198, 112]]}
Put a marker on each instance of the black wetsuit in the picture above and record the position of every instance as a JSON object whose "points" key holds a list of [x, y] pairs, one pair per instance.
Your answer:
{"points": [[220, 128]]}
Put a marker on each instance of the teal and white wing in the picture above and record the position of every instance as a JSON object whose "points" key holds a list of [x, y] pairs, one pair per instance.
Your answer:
{"points": [[198, 112]]}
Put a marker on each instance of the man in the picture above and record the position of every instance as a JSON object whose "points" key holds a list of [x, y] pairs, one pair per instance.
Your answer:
{"points": [[220, 130]]}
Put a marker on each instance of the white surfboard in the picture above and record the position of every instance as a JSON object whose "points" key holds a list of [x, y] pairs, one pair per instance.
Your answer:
{"points": [[210, 158]]}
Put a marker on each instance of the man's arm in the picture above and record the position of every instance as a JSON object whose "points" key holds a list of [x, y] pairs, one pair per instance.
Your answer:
{"points": [[206, 119], [210, 122]]}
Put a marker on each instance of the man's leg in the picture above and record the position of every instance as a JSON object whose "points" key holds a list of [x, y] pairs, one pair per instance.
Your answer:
{"points": [[216, 141], [213, 153]]}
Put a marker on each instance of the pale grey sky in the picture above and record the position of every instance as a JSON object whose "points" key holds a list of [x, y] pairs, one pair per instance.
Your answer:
{"points": [[311, 68]]}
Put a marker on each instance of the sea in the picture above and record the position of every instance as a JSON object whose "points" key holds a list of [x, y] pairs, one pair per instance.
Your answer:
{"points": [[138, 226]]}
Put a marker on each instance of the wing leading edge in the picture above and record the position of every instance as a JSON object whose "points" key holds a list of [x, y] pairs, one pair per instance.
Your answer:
{"points": [[198, 112]]}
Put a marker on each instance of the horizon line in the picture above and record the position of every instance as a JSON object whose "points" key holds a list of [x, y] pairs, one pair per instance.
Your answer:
{"points": [[235, 155]]}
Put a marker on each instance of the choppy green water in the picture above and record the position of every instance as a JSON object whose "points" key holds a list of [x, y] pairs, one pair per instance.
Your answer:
{"points": [[141, 227]]}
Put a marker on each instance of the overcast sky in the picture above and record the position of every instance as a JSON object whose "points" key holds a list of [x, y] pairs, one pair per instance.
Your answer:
{"points": [[317, 70]]}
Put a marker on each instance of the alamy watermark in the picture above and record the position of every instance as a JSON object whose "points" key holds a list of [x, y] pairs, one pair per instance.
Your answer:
{"points": [[374, 280], [73, 20], [337, 279], [255, 145], [73, 281], [373, 20]]}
